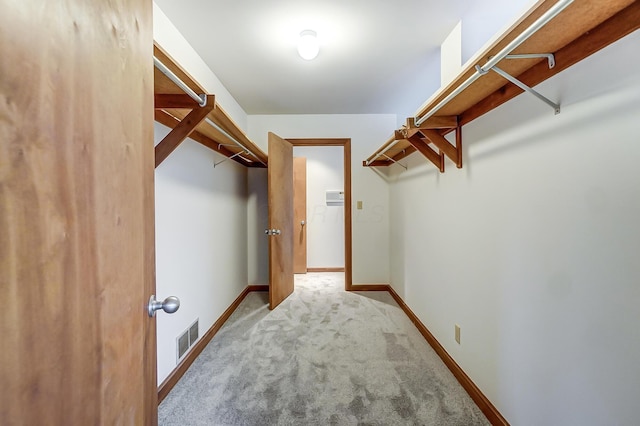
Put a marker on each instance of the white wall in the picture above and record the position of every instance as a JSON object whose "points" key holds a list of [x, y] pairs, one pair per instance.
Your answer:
{"points": [[325, 224], [533, 247], [370, 225], [451, 56], [201, 216], [201, 240], [482, 22]]}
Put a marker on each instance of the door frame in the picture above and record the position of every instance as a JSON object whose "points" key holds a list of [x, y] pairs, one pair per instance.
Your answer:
{"points": [[345, 143]]}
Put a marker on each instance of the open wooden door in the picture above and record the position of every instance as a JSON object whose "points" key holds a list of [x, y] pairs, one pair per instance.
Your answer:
{"points": [[77, 213], [280, 188], [300, 215]]}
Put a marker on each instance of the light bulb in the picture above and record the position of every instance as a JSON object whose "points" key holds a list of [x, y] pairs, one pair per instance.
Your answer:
{"points": [[308, 47]]}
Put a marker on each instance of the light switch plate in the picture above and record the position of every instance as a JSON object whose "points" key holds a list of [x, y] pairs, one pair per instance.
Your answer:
{"points": [[458, 333]]}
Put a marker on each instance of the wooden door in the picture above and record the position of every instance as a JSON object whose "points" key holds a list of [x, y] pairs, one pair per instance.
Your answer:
{"points": [[300, 215], [76, 213], [280, 189]]}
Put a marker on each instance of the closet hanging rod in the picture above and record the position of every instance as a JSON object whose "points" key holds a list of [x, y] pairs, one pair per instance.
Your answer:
{"points": [[539, 23], [200, 99], [233, 139]]}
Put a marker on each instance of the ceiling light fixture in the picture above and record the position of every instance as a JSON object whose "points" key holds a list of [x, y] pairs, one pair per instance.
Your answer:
{"points": [[308, 47]]}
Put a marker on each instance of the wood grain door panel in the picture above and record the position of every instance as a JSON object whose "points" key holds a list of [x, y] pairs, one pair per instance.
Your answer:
{"points": [[280, 197], [76, 213]]}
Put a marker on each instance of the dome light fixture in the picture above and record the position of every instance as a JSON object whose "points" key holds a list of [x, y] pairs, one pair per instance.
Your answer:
{"points": [[308, 46]]}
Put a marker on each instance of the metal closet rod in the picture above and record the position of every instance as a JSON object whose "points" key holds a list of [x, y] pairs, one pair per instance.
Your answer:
{"points": [[234, 140], [539, 23], [200, 99]]}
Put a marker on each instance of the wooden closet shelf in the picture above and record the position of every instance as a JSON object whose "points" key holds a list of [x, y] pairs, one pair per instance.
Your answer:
{"points": [[581, 29], [209, 125]]}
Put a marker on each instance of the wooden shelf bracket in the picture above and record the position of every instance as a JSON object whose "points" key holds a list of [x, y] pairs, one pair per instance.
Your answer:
{"points": [[183, 130], [437, 158], [433, 131]]}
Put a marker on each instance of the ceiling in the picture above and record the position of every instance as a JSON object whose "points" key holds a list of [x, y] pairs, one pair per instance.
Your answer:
{"points": [[376, 56]]}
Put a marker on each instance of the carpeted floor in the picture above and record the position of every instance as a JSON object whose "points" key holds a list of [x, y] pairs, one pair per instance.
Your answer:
{"points": [[323, 357]]}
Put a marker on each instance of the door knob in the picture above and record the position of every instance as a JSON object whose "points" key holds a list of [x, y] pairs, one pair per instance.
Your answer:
{"points": [[302, 223], [169, 305]]}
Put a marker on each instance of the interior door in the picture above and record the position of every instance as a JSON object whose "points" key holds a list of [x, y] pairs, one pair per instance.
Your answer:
{"points": [[280, 198], [300, 215], [76, 213]]}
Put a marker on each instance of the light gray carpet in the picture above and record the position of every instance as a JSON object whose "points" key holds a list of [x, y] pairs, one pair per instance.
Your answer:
{"points": [[323, 357]]}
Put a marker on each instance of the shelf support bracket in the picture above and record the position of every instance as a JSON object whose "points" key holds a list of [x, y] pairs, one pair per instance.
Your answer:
{"points": [[230, 158], [395, 162], [444, 146], [459, 146], [436, 158], [427, 129], [183, 130], [170, 101], [512, 79]]}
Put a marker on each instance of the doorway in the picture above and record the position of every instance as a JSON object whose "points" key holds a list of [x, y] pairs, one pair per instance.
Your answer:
{"points": [[346, 149]]}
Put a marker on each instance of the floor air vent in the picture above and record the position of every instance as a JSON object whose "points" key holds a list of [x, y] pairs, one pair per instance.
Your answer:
{"points": [[187, 339]]}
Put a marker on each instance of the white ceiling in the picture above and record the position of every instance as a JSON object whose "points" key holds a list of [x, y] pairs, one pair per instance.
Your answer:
{"points": [[376, 56]]}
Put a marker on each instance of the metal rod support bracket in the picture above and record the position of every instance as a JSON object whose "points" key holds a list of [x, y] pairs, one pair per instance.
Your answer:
{"points": [[234, 140], [230, 158], [395, 162], [550, 57], [481, 71], [512, 79]]}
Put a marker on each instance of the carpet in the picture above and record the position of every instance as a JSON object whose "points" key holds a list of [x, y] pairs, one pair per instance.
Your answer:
{"points": [[323, 357]]}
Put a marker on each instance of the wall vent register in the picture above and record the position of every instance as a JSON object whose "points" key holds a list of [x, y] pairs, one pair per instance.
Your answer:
{"points": [[186, 340]]}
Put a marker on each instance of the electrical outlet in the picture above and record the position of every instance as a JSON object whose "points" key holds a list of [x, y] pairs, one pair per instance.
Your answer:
{"points": [[458, 333]]}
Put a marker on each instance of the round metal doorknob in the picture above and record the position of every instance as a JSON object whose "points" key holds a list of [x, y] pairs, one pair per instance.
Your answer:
{"points": [[169, 305]]}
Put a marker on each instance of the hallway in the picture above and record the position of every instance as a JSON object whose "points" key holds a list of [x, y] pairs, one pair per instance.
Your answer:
{"points": [[325, 356]]}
